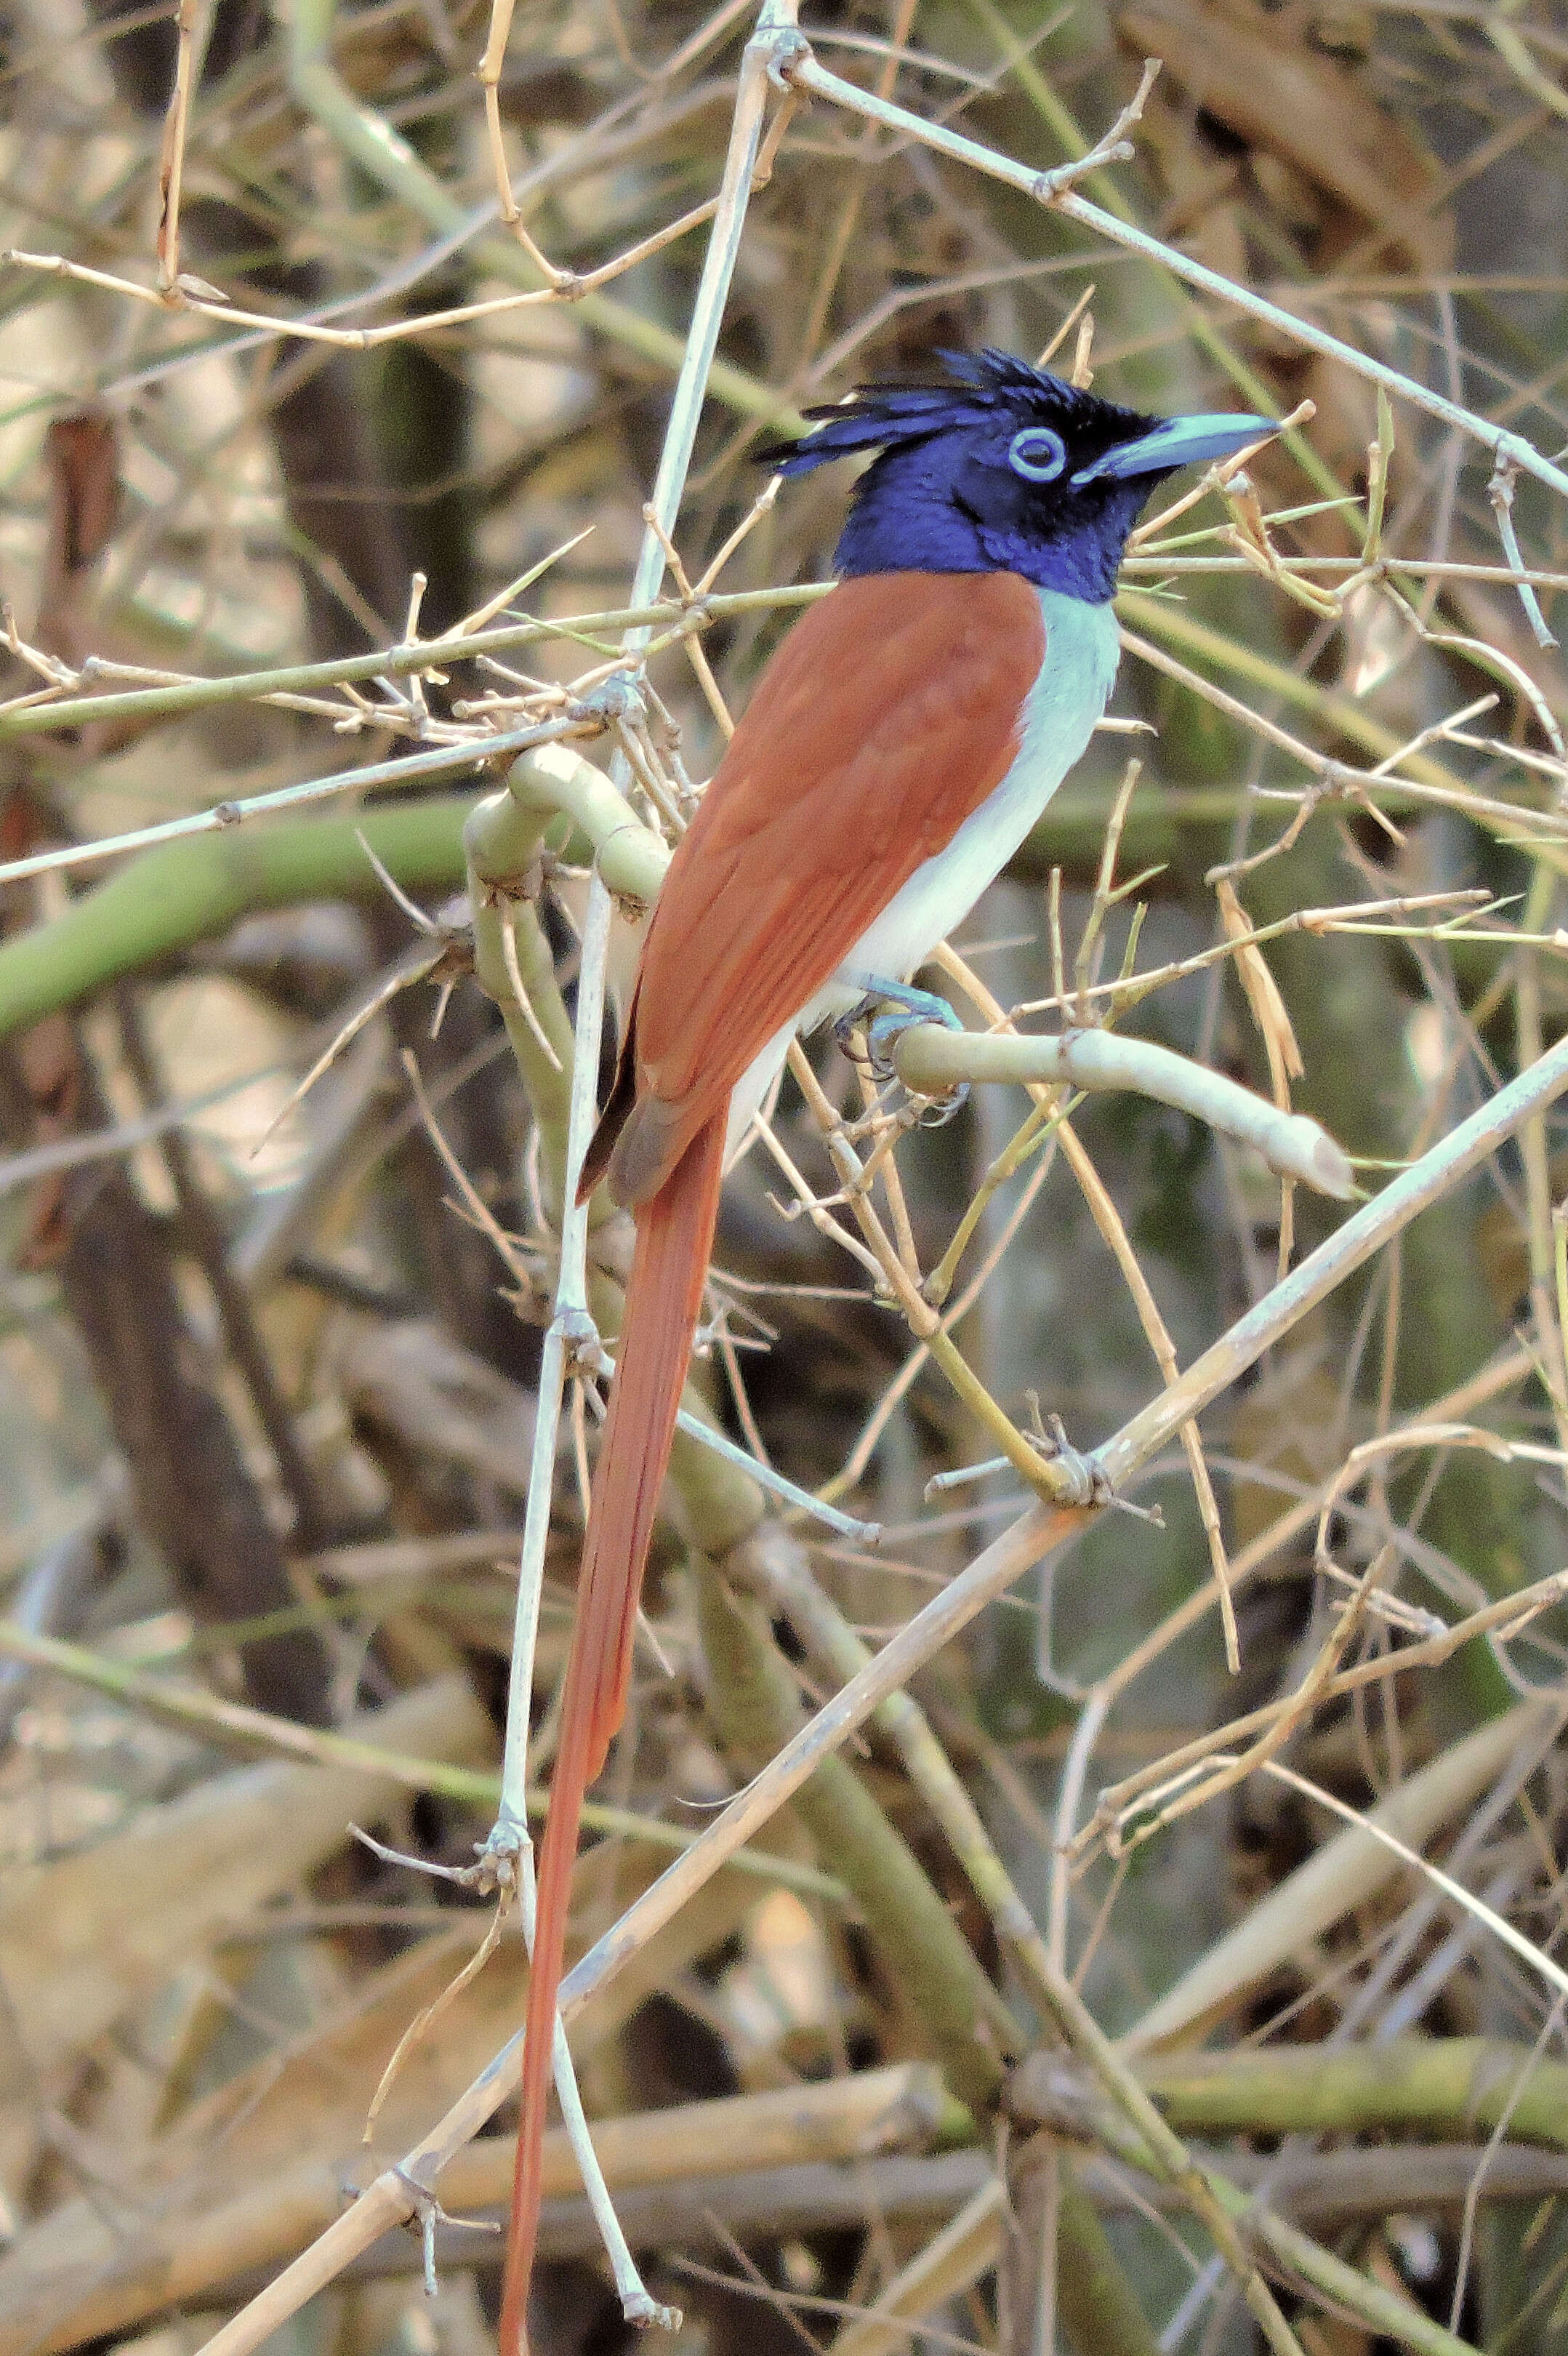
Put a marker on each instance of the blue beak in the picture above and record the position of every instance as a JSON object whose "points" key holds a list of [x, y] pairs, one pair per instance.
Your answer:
{"points": [[1180, 442]]}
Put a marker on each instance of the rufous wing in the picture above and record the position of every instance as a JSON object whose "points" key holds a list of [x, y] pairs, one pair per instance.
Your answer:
{"points": [[890, 713]]}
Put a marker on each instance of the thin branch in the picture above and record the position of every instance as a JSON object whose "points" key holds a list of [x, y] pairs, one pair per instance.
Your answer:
{"points": [[807, 74], [192, 24], [934, 1061]]}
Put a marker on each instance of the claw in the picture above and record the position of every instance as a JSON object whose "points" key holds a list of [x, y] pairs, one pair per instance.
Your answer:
{"points": [[887, 1010], [941, 1110], [844, 1029]]}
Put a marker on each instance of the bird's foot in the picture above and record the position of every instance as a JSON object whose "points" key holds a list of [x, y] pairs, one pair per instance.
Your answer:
{"points": [[887, 1010]]}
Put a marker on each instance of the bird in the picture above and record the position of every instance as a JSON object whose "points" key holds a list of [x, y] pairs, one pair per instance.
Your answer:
{"points": [[897, 748]]}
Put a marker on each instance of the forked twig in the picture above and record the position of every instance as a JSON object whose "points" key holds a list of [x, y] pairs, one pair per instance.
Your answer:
{"points": [[1113, 147], [1499, 492], [489, 74]]}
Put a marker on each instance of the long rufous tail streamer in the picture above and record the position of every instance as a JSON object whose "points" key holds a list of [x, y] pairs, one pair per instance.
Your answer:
{"points": [[675, 1236]]}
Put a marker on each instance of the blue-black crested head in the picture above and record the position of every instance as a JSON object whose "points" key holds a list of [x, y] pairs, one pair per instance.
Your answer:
{"points": [[1002, 468]]}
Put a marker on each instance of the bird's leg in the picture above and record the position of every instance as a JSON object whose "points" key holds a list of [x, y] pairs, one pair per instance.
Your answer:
{"points": [[888, 1008]]}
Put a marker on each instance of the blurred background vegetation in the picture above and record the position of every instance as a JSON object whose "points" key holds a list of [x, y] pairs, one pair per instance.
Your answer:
{"points": [[266, 1390]]}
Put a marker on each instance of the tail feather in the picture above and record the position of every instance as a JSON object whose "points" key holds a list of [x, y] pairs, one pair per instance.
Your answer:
{"points": [[675, 1236]]}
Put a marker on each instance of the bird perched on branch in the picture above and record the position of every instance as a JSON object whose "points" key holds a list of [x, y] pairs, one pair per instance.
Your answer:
{"points": [[897, 750]]}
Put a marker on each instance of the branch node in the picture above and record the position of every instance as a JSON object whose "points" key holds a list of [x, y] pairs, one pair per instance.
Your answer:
{"points": [[426, 2215], [615, 699], [1114, 147], [790, 50], [1083, 1482]]}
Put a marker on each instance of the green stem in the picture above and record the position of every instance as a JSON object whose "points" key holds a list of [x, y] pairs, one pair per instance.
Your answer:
{"points": [[1099, 2309], [502, 838], [1453, 2086], [181, 893], [237, 1724], [947, 1998], [501, 842], [1389, 2313], [557, 779], [175, 696]]}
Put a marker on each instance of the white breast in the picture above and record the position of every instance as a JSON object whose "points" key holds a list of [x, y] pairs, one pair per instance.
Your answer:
{"points": [[1067, 699]]}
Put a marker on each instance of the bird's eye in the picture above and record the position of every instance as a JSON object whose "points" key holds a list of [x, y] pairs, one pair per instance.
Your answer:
{"points": [[1037, 453]]}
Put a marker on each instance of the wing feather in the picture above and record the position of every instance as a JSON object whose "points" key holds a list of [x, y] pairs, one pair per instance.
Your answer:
{"points": [[890, 713]]}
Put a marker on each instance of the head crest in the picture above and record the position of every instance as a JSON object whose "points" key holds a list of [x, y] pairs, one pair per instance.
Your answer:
{"points": [[882, 417]]}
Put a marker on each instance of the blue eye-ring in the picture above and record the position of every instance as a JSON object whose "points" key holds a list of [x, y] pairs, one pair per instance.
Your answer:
{"points": [[1037, 453]]}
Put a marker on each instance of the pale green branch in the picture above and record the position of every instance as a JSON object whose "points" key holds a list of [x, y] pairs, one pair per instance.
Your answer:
{"points": [[932, 1061], [181, 893]]}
